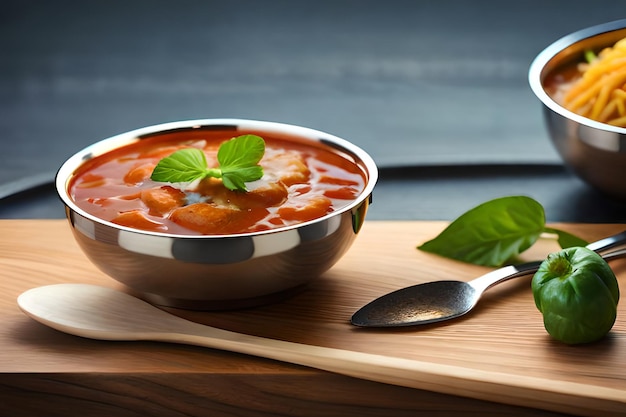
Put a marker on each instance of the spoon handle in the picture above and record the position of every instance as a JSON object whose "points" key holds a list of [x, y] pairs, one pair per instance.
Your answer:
{"points": [[393, 370], [607, 243], [351, 363], [499, 275], [514, 271]]}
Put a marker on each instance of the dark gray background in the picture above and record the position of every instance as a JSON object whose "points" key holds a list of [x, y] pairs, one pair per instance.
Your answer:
{"points": [[436, 91]]}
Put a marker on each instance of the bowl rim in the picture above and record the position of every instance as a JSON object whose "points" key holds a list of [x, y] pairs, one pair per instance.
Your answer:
{"points": [[538, 64], [67, 169]]}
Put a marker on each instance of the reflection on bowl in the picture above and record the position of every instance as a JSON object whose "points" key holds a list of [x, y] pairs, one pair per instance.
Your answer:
{"points": [[217, 271], [593, 150]]}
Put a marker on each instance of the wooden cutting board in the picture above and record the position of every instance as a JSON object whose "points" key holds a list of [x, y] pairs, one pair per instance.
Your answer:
{"points": [[499, 354]]}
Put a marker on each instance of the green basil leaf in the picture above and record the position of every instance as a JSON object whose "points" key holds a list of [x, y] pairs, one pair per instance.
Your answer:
{"points": [[236, 179], [240, 152], [184, 165], [565, 239], [491, 233], [238, 159]]}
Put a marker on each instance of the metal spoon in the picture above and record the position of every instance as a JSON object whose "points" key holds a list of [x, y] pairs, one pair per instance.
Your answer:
{"points": [[444, 300]]}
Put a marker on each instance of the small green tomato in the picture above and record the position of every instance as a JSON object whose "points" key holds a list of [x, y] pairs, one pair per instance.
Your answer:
{"points": [[577, 293]]}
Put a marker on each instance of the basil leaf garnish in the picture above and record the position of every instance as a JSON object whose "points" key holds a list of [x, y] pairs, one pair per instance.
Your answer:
{"points": [[238, 160]]}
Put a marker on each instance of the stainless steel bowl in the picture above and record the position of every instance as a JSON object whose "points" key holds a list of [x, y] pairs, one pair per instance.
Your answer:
{"points": [[595, 151], [218, 272]]}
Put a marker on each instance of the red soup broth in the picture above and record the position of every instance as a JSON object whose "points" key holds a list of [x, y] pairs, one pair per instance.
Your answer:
{"points": [[301, 182]]}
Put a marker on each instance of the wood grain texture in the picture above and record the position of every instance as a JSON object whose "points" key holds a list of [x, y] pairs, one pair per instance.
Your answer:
{"points": [[497, 359]]}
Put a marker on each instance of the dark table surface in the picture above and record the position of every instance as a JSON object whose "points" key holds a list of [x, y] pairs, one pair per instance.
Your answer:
{"points": [[436, 91]]}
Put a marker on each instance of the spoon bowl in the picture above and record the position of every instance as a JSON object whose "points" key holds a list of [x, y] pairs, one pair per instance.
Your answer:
{"points": [[423, 303]]}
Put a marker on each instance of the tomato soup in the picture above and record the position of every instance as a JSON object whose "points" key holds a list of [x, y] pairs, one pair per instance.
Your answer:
{"points": [[300, 182]]}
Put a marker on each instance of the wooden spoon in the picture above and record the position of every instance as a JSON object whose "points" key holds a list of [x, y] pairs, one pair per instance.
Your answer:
{"points": [[102, 313]]}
